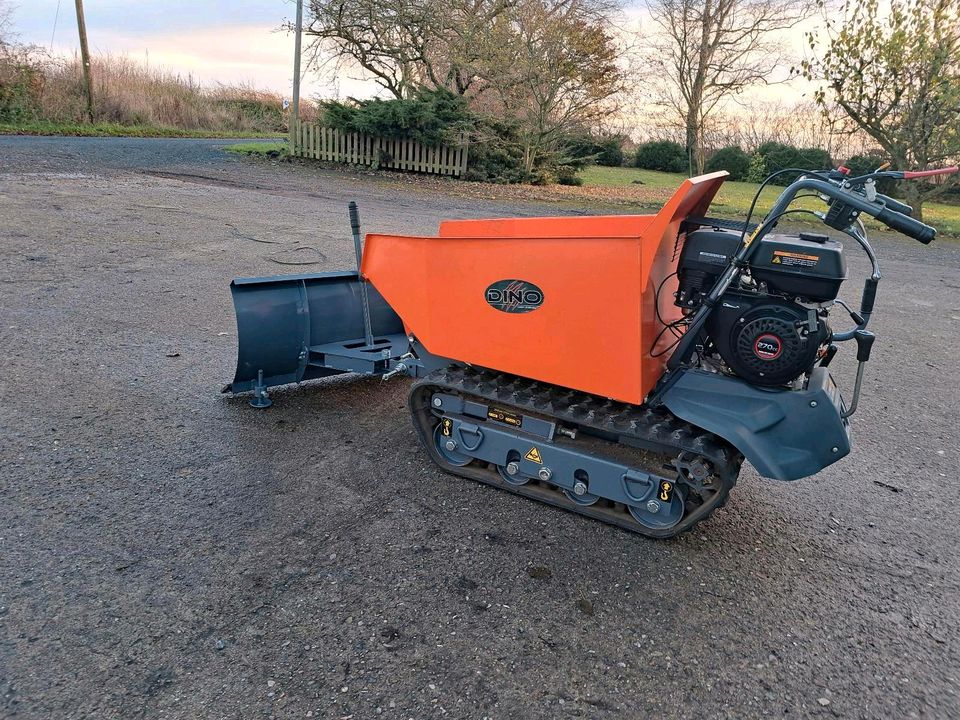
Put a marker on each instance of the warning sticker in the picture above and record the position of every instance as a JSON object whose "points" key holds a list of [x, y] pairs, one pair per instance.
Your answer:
{"points": [[790, 259], [446, 427], [505, 416], [665, 493], [534, 456]]}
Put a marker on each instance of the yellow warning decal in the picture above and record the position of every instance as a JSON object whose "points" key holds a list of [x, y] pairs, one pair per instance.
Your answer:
{"points": [[534, 456], [447, 427], [666, 491], [799, 260]]}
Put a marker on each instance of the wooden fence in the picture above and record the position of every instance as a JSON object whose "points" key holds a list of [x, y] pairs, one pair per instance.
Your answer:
{"points": [[320, 143]]}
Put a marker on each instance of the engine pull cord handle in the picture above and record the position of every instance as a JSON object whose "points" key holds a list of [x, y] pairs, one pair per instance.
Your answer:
{"points": [[864, 340]]}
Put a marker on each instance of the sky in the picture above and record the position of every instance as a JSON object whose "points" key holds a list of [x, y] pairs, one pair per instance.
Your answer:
{"points": [[215, 41]]}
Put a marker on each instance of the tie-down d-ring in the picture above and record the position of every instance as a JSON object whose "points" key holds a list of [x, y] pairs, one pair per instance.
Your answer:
{"points": [[471, 430], [637, 478]]}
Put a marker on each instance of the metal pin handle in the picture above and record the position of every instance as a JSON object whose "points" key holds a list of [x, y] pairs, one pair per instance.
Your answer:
{"points": [[358, 251]]}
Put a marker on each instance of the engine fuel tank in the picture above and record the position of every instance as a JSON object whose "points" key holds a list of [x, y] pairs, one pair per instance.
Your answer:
{"points": [[569, 301]]}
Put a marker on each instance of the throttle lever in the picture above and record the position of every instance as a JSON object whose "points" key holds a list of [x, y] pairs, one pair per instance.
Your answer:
{"points": [[864, 340]]}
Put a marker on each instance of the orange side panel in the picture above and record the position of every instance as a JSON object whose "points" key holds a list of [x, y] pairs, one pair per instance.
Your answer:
{"points": [[596, 328], [557, 227]]}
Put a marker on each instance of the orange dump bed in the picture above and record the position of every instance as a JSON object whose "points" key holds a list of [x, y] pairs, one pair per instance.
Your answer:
{"points": [[569, 300]]}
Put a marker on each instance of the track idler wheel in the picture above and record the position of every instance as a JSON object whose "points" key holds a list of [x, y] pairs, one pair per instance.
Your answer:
{"points": [[447, 447], [660, 514]]}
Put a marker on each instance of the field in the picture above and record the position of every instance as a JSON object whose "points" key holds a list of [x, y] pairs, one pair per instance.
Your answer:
{"points": [[104, 129], [645, 190], [735, 197], [44, 95]]}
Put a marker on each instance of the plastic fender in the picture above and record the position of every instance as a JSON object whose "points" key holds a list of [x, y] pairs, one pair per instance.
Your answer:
{"points": [[785, 434]]}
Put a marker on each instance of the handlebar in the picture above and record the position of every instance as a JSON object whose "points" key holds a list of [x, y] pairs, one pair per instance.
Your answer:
{"points": [[835, 186], [907, 225], [911, 174], [896, 205]]}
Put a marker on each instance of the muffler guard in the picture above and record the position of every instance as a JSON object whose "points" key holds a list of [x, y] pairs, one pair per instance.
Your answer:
{"points": [[785, 434], [293, 328]]}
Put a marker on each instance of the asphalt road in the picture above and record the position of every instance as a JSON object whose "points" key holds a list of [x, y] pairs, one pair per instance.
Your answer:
{"points": [[168, 551]]}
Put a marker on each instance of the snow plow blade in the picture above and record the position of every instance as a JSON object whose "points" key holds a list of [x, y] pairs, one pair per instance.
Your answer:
{"points": [[292, 328]]}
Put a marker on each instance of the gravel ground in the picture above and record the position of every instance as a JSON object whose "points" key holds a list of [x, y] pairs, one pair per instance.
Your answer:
{"points": [[168, 551]]}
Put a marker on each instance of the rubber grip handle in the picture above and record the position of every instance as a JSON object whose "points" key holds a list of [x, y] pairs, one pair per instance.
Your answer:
{"points": [[864, 340], [869, 296], [896, 205], [908, 226], [354, 218]]}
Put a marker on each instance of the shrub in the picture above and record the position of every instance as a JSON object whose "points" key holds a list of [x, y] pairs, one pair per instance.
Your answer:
{"points": [[432, 116], [601, 150], [567, 175], [496, 154], [732, 159], [21, 86], [777, 156], [662, 155], [610, 152], [757, 171], [815, 159]]}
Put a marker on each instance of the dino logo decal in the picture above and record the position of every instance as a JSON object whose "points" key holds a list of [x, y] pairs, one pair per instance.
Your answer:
{"points": [[514, 296]]}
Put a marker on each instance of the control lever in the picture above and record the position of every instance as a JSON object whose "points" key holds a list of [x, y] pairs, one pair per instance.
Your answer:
{"points": [[854, 315], [864, 340]]}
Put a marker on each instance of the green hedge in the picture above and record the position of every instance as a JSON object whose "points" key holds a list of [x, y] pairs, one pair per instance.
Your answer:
{"points": [[867, 163], [777, 156], [732, 159], [432, 117], [662, 155]]}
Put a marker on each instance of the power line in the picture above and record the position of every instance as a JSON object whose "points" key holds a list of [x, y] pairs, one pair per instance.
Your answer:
{"points": [[55, 18]]}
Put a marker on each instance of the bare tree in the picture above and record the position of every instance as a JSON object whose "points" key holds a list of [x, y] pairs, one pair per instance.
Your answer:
{"points": [[549, 67], [897, 78], [6, 23], [707, 50], [555, 71], [406, 44]]}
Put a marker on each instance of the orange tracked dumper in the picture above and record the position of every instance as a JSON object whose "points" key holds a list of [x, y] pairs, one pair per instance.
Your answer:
{"points": [[618, 366]]}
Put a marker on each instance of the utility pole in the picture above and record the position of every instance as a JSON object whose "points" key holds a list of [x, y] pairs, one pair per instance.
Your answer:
{"points": [[295, 112], [85, 58]]}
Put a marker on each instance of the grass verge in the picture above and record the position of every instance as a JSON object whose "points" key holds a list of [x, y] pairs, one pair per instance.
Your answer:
{"points": [[734, 198], [116, 130], [266, 149]]}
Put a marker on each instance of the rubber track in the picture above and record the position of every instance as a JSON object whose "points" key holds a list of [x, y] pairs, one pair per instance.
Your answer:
{"points": [[656, 430]]}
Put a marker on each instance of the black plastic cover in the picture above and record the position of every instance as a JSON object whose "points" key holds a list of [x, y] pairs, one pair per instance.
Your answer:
{"points": [[708, 251], [795, 266], [705, 255], [785, 434]]}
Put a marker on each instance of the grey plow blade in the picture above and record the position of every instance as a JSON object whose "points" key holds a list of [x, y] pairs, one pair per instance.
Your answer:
{"points": [[292, 328]]}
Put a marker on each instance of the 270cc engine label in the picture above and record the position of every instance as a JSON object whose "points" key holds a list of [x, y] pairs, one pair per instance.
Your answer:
{"points": [[514, 296]]}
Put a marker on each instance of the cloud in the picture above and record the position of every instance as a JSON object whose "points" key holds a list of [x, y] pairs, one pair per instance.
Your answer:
{"points": [[258, 55]]}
